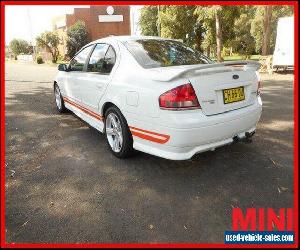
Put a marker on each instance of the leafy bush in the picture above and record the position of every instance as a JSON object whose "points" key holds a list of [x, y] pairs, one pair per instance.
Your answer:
{"points": [[226, 52], [49, 40], [39, 59], [19, 46], [77, 37], [60, 58]]}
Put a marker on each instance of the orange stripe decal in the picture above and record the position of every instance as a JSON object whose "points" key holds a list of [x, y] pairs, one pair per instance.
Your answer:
{"points": [[141, 133], [149, 135], [85, 110]]}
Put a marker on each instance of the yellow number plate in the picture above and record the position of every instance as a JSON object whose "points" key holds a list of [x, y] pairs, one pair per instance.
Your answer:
{"points": [[233, 95]]}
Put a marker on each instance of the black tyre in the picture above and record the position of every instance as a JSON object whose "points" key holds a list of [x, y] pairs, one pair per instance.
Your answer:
{"points": [[59, 102], [118, 136]]}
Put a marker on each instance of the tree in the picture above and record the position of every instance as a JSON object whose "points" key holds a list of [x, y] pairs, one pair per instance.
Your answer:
{"points": [[19, 46], [219, 38], [169, 21], [218, 23], [215, 29], [243, 41], [148, 20], [177, 22], [266, 30], [50, 41], [195, 38], [257, 24], [77, 37]]}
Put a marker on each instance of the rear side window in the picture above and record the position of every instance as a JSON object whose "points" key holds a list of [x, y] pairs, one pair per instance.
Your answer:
{"points": [[102, 59], [97, 58], [153, 53], [78, 62], [109, 60]]}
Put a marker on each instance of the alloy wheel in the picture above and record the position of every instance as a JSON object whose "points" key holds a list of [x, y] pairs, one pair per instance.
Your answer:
{"points": [[114, 133]]}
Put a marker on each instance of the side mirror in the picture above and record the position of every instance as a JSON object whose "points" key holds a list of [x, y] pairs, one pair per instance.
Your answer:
{"points": [[62, 67]]}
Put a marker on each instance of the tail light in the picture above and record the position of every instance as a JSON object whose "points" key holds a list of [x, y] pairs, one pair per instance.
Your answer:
{"points": [[259, 86], [181, 97]]}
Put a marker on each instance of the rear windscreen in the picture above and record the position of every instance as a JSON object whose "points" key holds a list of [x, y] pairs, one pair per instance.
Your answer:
{"points": [[153, 53]]}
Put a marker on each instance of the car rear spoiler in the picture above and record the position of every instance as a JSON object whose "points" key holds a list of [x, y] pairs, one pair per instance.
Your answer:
{"points": [[164, 74]]}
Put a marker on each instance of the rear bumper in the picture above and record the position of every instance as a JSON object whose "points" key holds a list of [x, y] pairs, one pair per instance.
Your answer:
{"points": [[185, 153], [206, 133]]}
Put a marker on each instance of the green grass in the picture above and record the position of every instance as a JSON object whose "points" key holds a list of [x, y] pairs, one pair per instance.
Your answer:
{"points": [[239, 57]]}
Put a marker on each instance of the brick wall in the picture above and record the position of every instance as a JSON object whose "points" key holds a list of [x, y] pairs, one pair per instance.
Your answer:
{"points": [[95, 28]]}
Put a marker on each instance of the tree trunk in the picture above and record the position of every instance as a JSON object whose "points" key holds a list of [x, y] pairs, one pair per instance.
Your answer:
{"points": [[267, 30], [198, 43], [219, 36], [208, 51], [158, 21], [53, 56]]}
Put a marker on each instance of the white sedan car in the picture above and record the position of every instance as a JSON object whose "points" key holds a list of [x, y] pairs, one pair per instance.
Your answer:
{"points": [[159, 96]]}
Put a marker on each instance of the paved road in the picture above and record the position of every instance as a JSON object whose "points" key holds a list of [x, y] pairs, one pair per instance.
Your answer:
{"points": [[63, 185]]}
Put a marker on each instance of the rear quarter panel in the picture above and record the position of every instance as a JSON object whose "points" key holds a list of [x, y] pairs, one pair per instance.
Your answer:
{"points": [[131, 90]]}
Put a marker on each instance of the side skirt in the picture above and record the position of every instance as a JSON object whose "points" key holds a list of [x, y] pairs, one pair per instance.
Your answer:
{"points": [[94, 121]]}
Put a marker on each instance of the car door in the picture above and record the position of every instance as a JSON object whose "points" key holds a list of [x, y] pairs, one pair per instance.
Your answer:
{"points": [[74, 75], [97, 75]]}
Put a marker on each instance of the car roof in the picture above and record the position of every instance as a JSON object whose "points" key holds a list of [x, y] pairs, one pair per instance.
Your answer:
{"points": [[129, 38]]}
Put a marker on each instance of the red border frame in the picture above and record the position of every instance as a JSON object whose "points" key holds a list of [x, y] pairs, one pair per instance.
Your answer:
{"points": [[135, 245]]}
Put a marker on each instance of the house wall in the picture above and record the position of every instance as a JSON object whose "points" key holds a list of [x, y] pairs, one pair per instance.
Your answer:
{"points": [[98, 29]]}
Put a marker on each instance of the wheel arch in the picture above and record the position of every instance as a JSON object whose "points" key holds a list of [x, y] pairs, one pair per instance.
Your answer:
{"points": [[107, 105]]}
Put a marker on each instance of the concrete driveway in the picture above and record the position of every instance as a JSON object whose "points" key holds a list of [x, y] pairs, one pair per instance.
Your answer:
{"points": [[64, 186]]}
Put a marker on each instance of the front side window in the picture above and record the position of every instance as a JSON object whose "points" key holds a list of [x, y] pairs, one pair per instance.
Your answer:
{"points": [[78, 62], [153, 53], [102, 59]]}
